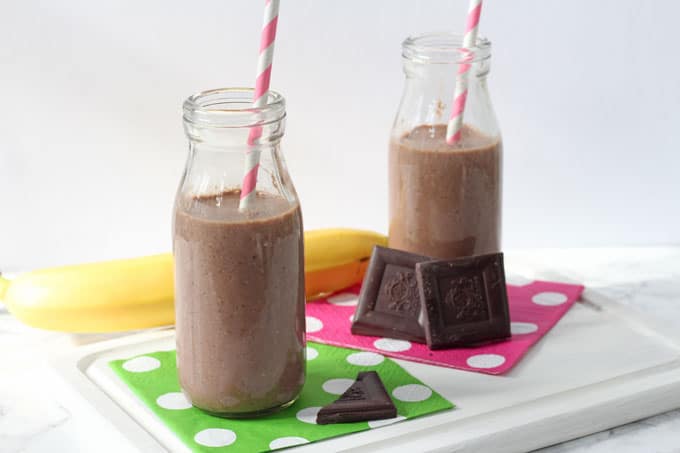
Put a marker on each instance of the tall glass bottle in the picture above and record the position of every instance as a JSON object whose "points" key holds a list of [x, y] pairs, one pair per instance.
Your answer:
{"points": [[444, 200], [239, 275]]}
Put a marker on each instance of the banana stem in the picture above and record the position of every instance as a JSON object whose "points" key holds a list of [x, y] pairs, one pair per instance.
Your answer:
{"points": [[4, 285]]}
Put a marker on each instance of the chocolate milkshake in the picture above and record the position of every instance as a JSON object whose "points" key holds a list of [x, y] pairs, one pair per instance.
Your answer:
{"points": [[445, 200], [240, 302]]}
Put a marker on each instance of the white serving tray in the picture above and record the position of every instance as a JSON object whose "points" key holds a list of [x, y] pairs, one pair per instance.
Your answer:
{"points": [[601, 366]]}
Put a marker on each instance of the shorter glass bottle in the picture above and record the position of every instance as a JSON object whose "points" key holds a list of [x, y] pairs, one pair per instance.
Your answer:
{"points": [[444, 200], [239, 275]]}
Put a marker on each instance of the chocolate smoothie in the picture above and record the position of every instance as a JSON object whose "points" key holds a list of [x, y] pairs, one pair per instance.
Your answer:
{"points": [[445, 200], [240, 302]]}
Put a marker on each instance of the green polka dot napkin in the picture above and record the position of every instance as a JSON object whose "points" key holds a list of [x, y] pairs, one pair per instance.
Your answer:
{"points": [[330, 371]]}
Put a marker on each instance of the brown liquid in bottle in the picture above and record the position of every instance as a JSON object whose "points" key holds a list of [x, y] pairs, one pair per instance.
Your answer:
{"points": [[445, 200], [239, 302]]}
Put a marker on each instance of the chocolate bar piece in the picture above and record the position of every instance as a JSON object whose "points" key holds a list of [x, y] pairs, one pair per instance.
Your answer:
{"points": [[465, 301], [389, 303], [365, 400]]}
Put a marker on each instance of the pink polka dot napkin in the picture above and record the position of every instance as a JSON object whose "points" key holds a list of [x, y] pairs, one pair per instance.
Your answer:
{"points": [[534, 309]]}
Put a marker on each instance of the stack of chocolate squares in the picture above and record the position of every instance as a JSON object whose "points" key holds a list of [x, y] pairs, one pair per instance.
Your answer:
{"points": [[445, 304]]}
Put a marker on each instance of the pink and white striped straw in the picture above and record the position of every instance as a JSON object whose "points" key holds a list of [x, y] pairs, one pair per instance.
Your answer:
{"points": [[453, 130], [264, 72]]}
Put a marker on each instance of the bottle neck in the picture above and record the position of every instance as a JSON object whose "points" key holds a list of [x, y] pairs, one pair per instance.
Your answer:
{"points": [[432, 86], [224, 130], [239, 140], [226, 118], [431, 65]]}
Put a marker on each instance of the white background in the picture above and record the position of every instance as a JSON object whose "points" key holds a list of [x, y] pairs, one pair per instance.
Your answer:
{"points": [[91, 145]]}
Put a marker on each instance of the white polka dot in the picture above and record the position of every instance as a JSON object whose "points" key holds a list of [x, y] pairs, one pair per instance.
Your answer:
{"points": [[283, 442], [517, 280], [521, 328], [337, 386], [344, 299], [390, 345], [173, 401], [412, 393], [313, 324], [351, 318], [549, 298], [485, 361], [312, 353], [141, 364], [365, 358], [215, 437], [388, 421], [308, 415]]}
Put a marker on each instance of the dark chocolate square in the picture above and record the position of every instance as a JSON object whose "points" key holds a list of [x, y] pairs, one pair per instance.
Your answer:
{"points": [[389, 302], [464, 301]]}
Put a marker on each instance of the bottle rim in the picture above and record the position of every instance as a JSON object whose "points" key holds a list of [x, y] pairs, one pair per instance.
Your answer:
{"points": [[232, 108], [444, 48]]}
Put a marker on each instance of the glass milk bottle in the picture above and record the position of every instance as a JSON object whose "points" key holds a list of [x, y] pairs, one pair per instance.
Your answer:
{"points": [[444, 199], [239, 273]]}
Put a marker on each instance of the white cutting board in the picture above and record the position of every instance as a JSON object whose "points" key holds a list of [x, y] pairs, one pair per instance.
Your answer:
{"points": [[601, 366]]}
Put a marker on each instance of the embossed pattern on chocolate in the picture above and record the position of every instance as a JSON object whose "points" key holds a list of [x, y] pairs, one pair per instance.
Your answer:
{"points": [[354, 393], [398, 291], [465, 301], [389, 302]]}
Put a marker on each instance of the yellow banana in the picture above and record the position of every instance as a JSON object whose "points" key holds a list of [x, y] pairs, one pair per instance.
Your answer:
{"points": [[337, 258], [138, 293], [98, 297]]}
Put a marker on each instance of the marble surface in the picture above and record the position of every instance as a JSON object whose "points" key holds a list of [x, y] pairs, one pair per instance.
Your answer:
{"points": [[37, 417]]}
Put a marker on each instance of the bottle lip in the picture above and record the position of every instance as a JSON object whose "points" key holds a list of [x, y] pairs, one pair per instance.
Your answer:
{"points": [[232, 108], [444, 48]]}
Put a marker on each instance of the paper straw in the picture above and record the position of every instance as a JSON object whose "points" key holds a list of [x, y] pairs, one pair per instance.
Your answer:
{"points": [[264, 72], [453, 130]]}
